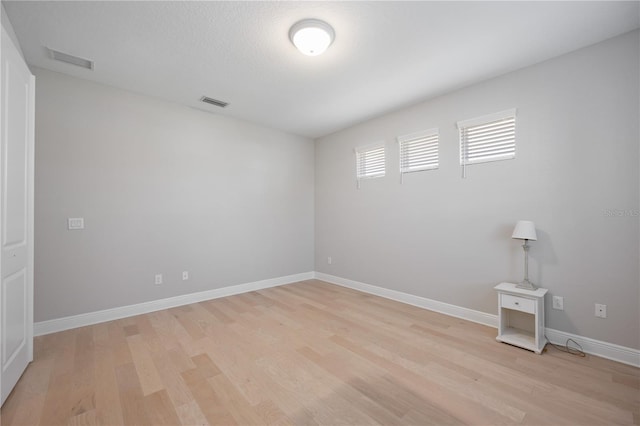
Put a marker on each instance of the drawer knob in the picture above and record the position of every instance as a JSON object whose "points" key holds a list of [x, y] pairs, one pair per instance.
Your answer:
{"points": [[517, 303]]}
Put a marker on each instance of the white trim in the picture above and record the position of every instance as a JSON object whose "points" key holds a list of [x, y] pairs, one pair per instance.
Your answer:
{"points": [[81, 320], [31, 149], [418, 135], [599, 348], [374, 145], [422, 302], [470, 122]]}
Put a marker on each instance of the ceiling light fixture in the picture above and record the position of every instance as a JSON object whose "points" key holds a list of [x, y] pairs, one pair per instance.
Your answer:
{"points": [[311, 36]]}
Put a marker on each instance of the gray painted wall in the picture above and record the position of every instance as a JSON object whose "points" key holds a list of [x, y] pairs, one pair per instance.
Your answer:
{"points": [[446, 238], [162, 188], [6, 24]]}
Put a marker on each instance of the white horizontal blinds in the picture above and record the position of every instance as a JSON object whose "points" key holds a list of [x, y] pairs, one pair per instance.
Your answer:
{"points": [[370, 162], [419, 151], [488, 138]]}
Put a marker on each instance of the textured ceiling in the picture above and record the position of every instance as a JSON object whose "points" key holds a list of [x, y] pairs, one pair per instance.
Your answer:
{"points": [[386, 55]]}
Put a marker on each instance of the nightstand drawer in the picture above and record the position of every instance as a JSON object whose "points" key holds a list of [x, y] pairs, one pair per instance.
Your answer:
{"points": [[518, 303]]}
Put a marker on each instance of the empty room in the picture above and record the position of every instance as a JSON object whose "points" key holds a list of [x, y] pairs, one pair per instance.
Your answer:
{"points": [[320, 213]]}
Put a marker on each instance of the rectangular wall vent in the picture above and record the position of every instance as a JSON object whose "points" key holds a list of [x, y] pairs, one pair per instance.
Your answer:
{"points": [[215, 102], [70, 59]]}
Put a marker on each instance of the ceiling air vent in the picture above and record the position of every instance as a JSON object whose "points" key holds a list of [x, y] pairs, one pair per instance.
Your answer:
{"points": [[215, 102], [70, 59]]}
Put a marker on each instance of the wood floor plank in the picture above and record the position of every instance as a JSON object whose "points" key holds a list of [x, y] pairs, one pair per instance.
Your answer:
{"points": [[83, 385], [234, 401], [269, 413], [160, 409], [164, 325], [107, 398], [194, 330], [134, 411], [119, 344], [313, 389], [217, 313], [25, 403], [148, 376], [210, 404], [190, 414], [383, 410], [180, 360], [310, 353], [56, 409], [28, 412], [172, 380], [86, 418]]}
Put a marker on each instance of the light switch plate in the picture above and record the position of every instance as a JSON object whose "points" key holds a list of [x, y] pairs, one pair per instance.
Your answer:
{"points": [[75, 223]]}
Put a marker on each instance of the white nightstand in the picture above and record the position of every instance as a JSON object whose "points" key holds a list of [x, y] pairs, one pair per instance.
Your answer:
{"points": [[526, 331]]}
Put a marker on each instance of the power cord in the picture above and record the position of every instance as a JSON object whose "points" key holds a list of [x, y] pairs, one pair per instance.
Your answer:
{"points": [[568, 349]]}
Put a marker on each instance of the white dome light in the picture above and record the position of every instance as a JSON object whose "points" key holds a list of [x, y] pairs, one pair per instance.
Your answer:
{"points": [[311, 36]]}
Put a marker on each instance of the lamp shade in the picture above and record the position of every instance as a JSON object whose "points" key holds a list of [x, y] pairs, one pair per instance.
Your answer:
{"points": [[525, 230]]}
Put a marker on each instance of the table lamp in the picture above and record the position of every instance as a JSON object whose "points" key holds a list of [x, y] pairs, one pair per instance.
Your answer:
{"points": [[525, 230]]}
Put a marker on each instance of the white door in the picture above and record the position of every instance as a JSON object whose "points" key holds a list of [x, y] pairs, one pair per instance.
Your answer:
{"points": [[17, 94]]}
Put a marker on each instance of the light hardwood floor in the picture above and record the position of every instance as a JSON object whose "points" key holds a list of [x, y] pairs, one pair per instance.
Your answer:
{"points": [[310, 353]]}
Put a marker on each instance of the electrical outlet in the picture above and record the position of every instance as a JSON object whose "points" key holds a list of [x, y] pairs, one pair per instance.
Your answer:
{"points": [[558, 303], [185, 275], [329, 260], [601, 310], [158, 279]]}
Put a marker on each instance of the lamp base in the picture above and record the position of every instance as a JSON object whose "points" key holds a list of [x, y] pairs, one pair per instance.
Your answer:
{"points": [[526, 285]]}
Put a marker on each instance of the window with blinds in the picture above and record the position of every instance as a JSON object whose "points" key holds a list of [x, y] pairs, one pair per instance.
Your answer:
{"points": [[370, 162], [418, 151], [488, 138]]}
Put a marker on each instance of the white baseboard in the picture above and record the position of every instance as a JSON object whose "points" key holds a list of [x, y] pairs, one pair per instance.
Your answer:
{"points": [[422, 302], [90, 318], [599, 348]]}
